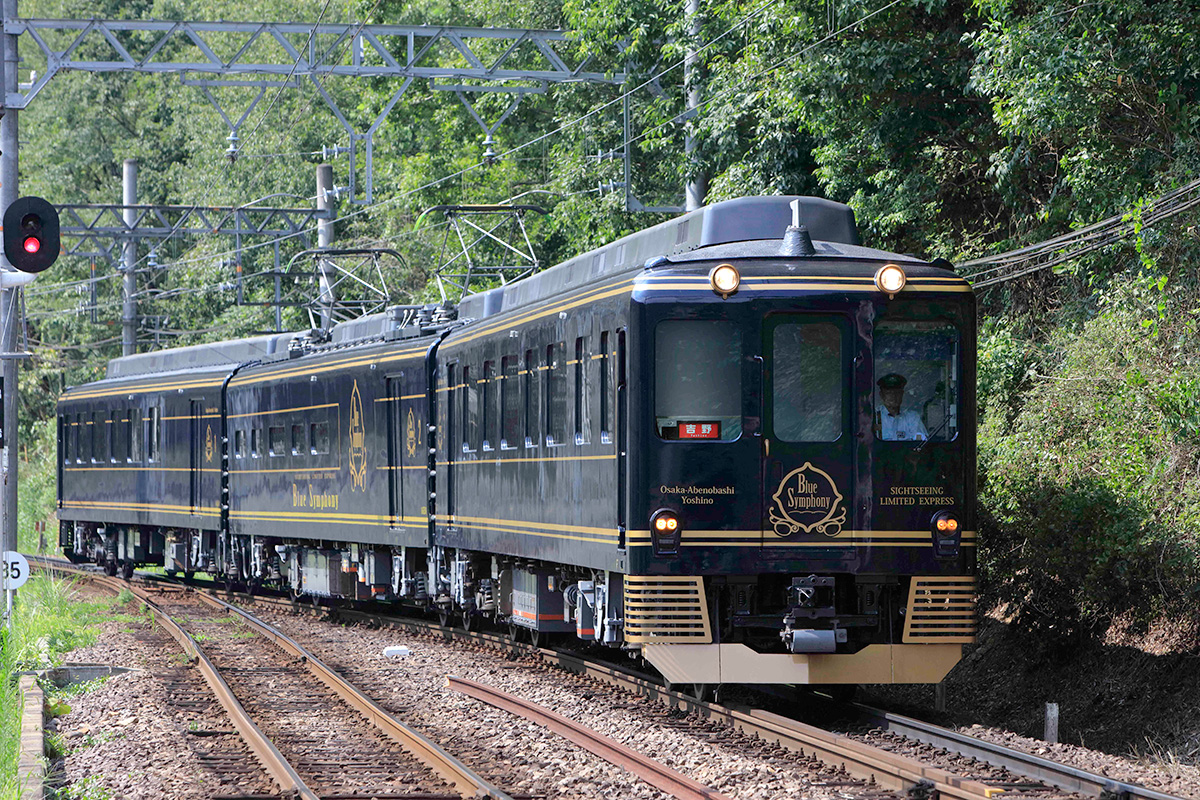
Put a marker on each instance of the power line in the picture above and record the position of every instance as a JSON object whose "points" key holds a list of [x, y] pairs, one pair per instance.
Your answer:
{"points": [[1076, 244]]}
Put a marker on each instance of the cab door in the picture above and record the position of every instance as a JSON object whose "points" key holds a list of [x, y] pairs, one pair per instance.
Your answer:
{"points": [[807, 445]]}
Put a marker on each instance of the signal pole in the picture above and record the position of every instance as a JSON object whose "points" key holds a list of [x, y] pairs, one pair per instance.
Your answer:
{"points": [[325, 202], [9, 310]]}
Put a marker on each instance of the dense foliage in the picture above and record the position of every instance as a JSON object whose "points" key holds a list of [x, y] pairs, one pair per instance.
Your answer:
{"points": [[954, 128]]}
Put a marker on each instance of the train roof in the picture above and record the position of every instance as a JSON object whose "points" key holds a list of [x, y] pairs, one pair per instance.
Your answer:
{"points": [[199, 356], [744, 219], [745, 227]]}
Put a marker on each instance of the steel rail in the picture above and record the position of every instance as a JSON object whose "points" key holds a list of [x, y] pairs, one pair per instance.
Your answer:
{"points": [[273, 762], [652, 772], [1062, 776], [466, 781]]}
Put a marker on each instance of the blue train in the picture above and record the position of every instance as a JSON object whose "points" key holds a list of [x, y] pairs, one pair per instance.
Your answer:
{"points": [[738, 443]]}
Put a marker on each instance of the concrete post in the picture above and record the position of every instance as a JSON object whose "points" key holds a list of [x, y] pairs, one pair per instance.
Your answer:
{"points": [[325, 202], [1051, 731], [697, 186], [9, 301], [129, 312]]}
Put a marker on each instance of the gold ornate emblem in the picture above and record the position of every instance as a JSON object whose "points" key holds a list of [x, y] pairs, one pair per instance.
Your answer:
{"points": [[358, 443], [208, 445], [410, 435], [807, 500]]}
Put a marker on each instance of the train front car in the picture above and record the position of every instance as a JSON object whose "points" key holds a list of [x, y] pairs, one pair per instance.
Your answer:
{"points": [[802, 454]]}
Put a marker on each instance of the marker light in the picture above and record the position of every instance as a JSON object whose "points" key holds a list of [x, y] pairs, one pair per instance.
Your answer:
{"points": [[32, 244], [724, 279], [890, 279]]}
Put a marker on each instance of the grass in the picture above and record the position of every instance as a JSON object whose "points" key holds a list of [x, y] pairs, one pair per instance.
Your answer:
{"points": [[48, 621]]}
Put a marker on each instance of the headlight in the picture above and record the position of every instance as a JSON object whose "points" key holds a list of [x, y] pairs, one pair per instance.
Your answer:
{"points": [[945, 524], [890, 279], [665, 533], [725, 279]]}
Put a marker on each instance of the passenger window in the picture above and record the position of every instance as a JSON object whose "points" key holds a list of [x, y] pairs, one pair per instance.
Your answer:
{"points": [[85, 440], [582, 423], [64, 426], [320, 438], [239, 444], [489, 398], [916, 381], [698, 380], [528, 399], [99, 438], [116, 438], [510, 402], [299, 446], [275, 443], [808, 391], [135, 435], [256, 442], [605, 383], [470, 412], [153, 435], [556, 395]]}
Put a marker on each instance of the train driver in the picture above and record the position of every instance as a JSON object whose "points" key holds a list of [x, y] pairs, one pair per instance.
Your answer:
{"points": [[892, 424]]}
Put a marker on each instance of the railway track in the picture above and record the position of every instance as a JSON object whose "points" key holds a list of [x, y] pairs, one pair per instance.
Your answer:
{"points": [[299, 730], [1003, 771]]}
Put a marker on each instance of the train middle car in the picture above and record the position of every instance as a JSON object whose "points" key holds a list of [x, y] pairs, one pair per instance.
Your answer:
{"points": [[737, 444]]}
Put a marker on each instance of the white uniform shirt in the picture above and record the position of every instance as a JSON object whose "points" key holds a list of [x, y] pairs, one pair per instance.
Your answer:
{"points": [[904, 427]]}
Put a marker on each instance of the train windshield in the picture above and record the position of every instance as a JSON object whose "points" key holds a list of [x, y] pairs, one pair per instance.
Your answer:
{"points": [[807, 392], [916, 381], [698, 380]]}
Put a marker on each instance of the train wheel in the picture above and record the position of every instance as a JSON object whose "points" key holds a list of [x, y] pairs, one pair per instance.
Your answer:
{"points": [[514, 632], [467, 620], [189, 574], [127, 570], [110, 569], [700, 691], [443, 616]]}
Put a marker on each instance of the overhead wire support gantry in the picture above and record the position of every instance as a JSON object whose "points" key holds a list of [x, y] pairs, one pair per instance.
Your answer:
{"points": [[462, 60]]}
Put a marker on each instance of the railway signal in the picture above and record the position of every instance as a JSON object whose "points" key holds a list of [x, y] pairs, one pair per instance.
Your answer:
{"points": [[31, 240]]}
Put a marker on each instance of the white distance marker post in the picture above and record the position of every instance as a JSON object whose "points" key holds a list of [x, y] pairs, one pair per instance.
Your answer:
{"points": [[14, 571]]}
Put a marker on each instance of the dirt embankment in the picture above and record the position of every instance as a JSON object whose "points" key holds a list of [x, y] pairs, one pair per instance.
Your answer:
{"points": [[1133, 693]]}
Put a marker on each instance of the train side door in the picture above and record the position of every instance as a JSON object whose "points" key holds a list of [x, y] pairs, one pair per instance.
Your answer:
{"points": [[622, 441], [807, 443], [196, 453], [396, 451]]}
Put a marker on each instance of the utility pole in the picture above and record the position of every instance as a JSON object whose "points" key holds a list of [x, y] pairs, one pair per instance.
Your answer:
{"points": [[9, 305], [325, 202], [697, 186], [129, 310]]}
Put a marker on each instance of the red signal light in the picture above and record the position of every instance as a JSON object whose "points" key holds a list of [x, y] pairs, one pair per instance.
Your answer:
{"points": [[32, 244]]}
